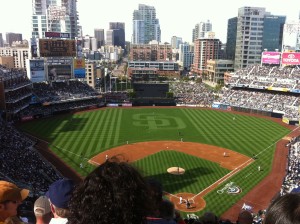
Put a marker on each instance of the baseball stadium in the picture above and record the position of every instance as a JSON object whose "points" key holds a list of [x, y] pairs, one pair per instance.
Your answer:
{"points": [[212, 150], [157, 139]]}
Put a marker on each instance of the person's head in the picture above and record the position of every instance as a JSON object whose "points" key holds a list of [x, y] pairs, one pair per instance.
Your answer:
{"points": [[284, 210], [209, 218], [10, 198], [13, 220], [167, 210], [156, 193], [115, 192], [42, 210], [59, 194], [245, 217]]}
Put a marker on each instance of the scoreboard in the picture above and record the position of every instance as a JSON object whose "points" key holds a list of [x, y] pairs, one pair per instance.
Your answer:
{"points": [[57, 48]]}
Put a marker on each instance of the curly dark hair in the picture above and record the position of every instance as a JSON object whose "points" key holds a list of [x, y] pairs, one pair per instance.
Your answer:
{"points": [[284, 209], [115, 192]]}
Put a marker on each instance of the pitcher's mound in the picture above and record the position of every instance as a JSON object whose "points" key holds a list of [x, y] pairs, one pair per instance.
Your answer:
{"points": [[176, 170]]}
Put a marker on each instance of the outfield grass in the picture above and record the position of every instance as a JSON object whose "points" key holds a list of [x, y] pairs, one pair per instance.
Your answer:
{"points": [[90, 133]]}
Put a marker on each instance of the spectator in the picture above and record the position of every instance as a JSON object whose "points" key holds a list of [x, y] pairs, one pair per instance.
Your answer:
{"points": [[10, 198], [115, 192], [156, 193], [284, 210], [167, 211], [245, 217], [209, 218], [59, 195], [42, 210], [15, 148]]}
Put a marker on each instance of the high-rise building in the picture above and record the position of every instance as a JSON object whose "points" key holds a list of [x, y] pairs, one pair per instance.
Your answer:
{"points": [[145, 25], [201, 29], [231, 38], [93, 44], [54, 15], [138, 36], [20, 54], [119, 33], [12, 37], [116, 25], [151, 52], [204, 50], [1, 40], [273, 32], [110, 37], [186, 55], [175, 42], [298, 35], [87, 42], [99, 35], [250, 33], [250, 26]]}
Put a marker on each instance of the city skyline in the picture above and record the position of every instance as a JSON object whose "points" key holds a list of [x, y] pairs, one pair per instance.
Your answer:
{"points": [[175, 19]]}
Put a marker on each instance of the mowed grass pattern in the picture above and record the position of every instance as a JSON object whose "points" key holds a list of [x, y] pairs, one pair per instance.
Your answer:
{"points": [[199, 173], [76, 138]]}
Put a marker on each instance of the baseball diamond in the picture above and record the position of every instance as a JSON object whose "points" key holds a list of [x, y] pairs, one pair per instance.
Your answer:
{"points": [[155, 139]]}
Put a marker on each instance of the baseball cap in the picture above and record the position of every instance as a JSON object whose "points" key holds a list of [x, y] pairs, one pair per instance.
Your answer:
{"points": [[60, 192], [42, 206], [10, 192]]}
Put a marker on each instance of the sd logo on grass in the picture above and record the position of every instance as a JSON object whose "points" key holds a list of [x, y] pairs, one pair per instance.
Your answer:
{"points": [[158, 121]]}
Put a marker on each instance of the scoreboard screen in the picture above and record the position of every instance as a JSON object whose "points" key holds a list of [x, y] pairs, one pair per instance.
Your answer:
{"points": [[57, 48]]}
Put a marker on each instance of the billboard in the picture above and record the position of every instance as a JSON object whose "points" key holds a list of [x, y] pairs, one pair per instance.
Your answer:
{"points": [[33, 47], [79, 48], [59, 72], [57, 48], [290, 58], [37, 70], [270, 57], [57, 35], [79, 68]]}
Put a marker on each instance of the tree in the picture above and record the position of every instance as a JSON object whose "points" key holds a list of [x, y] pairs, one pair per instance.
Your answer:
{"points": [[169, 94]]}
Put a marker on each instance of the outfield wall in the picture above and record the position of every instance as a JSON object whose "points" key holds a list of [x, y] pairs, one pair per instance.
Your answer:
{"points": [[275, 114]]}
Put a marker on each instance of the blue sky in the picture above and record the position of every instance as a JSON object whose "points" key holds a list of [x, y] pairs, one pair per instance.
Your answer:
{"points": [[177, 18]]}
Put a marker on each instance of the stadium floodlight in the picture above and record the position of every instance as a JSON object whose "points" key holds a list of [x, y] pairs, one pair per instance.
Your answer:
{"points": [[55, 13]]}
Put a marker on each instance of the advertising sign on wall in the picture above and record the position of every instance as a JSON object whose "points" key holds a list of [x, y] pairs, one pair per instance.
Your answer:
{"points": [[37, 71], [59, 72], [33, 47], [79, 48], [290, 58], [57, 48], [79, 68], [270, 57], [57, 35]]}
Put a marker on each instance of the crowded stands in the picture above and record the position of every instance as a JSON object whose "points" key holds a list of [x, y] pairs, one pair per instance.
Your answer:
{"points": [[292, 179], [21, 162], [59, 91], [191, 93]]}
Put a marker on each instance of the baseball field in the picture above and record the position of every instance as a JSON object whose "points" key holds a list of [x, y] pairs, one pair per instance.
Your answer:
{"points": [[230, 152]]}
